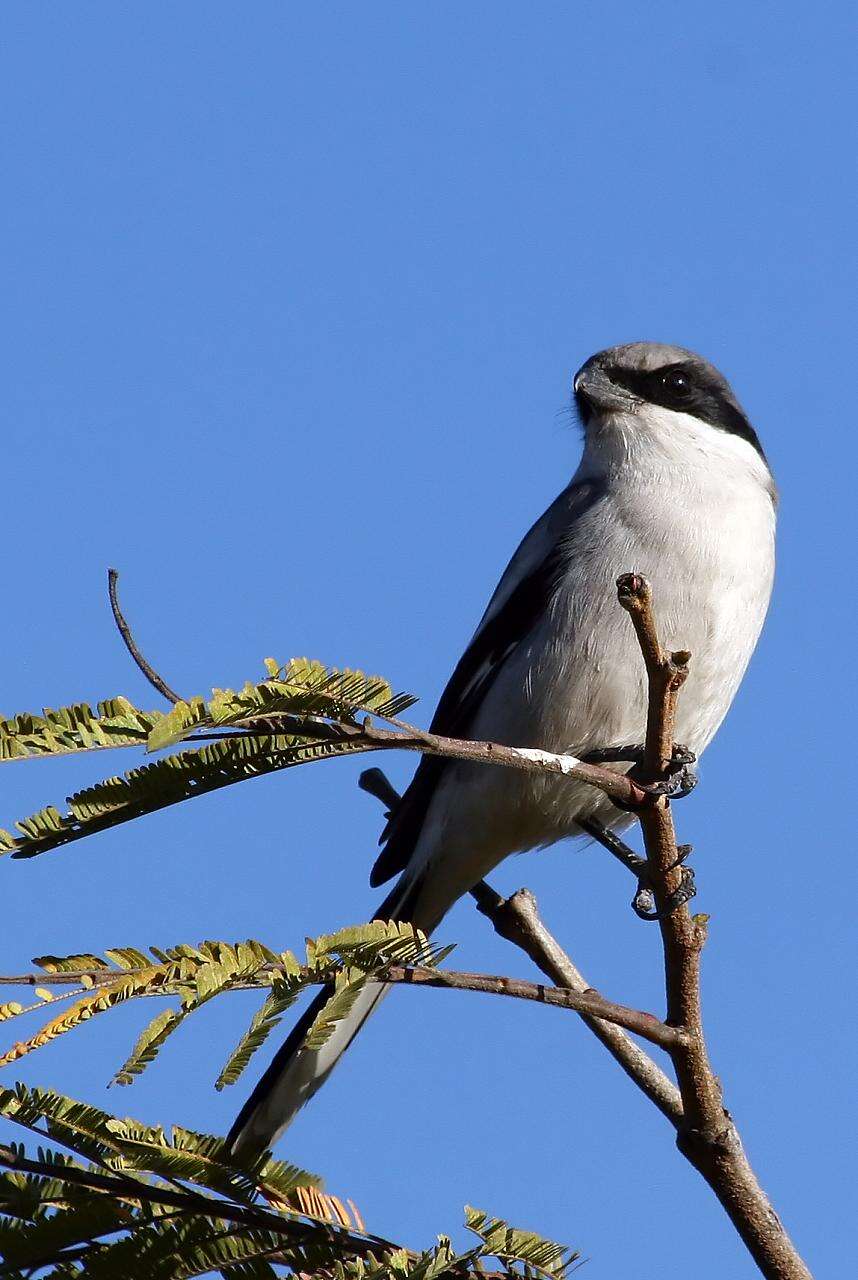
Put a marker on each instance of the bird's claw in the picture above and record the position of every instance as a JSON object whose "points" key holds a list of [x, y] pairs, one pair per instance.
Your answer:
{"points": [[680, 780], [676, 786], [643, 903], [635, 753]]}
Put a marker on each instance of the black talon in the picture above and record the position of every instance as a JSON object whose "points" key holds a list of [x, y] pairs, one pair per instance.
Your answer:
{"points": [[682, 755], [643, 903], [677, 785], [681, 777], [644, 900]]}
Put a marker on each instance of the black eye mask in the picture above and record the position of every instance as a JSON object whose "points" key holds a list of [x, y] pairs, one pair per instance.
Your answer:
{"points": [[689, 388]]}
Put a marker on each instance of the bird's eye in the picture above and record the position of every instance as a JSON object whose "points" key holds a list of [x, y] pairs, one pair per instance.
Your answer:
{"points": [[676, 381]]}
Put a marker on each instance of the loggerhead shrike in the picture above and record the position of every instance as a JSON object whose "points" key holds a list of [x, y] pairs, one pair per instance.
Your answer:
{"points": [[673, 484]]}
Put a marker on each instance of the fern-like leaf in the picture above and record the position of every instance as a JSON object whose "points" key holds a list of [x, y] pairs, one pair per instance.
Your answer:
{"points": [[510, 1245], [301, 688], [154, 1207], [196, 974], [338, 1007], [193, 772], [116, 723], [262, 1024], [148, 1044]]}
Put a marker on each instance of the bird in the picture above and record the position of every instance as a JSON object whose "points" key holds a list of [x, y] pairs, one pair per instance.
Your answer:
{"points": [[673, 484]]}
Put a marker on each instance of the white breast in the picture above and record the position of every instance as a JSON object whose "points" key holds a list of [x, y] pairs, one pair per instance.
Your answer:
{"points": [[696, 516]]}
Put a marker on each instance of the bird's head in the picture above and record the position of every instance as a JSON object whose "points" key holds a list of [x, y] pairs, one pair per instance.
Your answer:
{"points": [[648, 398]]}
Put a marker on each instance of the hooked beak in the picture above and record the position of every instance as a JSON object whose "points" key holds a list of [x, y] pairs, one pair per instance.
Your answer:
{"points": [[596, 393]]}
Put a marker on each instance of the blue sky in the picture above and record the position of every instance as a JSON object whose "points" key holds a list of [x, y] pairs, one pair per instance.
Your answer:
{"points": [[293, 296]]}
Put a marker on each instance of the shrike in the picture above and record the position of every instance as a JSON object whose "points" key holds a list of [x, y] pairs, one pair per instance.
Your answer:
{"points": [[673, 483]]}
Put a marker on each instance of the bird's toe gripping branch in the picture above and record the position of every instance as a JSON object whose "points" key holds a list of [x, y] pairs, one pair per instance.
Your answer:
{"points": [[643, 903], [681, 777]]}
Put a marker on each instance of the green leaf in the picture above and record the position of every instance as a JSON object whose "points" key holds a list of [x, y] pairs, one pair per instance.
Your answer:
{"points": [[154, 1207], [262, 1024], [301, 688], [176, 725], [148, 1044], [193, 772], [117, 723], [338, 1007], [510, 1244]]}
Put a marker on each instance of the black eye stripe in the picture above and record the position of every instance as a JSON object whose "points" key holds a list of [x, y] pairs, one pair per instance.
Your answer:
{"points": [[689, 389]]}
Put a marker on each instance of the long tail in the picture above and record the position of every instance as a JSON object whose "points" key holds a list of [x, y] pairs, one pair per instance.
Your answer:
{"points": [[295, 1073]]}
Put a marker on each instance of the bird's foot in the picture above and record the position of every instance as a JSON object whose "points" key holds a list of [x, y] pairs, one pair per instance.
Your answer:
{"points": [[643, 903], [635, 754], [680, 778], [678, 784]]}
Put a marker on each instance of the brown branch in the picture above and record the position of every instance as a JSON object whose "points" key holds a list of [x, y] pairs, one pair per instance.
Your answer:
{"points": [[588, 1001], [157, 682], [371, 737], [517, 920], [617, 786], [706, 1136]]}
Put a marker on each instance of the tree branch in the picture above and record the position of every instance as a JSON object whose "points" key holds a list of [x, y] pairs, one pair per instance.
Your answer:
{"points": [[587, 1001], [621, 787], [706, 1136], [517, 920]]}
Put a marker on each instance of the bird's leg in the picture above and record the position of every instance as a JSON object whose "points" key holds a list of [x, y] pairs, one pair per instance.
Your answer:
{"points": [[643, 903], [681, 776]]}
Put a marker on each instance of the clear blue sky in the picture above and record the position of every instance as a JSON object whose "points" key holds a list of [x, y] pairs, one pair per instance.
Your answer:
{"points": [[293, 295]]}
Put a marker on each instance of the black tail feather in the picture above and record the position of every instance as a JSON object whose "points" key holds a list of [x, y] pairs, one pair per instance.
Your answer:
{"points": [[396, 906]]}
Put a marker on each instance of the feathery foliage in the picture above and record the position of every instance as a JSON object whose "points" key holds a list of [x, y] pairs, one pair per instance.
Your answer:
{"points": [[289, 719], [196, 974], [179, 777], [299, 689], [117, 723], [125, 1199]]}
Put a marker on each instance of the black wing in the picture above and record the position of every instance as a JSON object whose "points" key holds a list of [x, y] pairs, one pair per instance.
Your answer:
{"points": [[523, 595]]}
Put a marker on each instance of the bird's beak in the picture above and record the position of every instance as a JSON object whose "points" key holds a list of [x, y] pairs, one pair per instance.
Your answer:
{"points": [[596, 393]]}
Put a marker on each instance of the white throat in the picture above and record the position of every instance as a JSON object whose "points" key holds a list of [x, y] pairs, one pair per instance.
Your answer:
{"points": [[651, 441]]}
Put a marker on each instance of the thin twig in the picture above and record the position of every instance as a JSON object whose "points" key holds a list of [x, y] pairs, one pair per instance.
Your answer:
{"points": [[370, 737], [157, 682]]}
